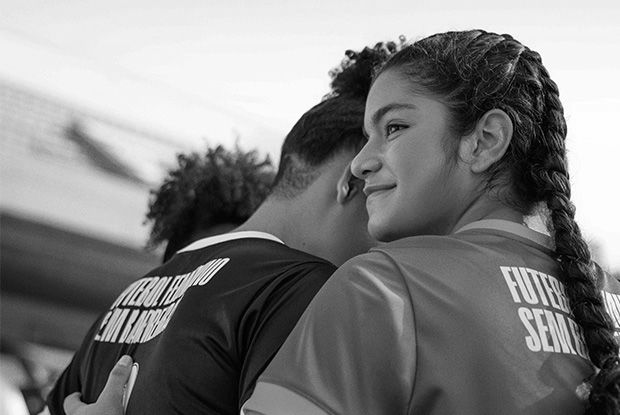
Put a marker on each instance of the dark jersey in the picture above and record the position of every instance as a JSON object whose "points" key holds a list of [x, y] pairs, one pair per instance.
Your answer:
{"points": [[201, 327]]}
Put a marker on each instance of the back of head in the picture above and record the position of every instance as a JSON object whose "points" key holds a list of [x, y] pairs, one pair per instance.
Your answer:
{"points": [[332, 126], [473, 72], [221, 187]]}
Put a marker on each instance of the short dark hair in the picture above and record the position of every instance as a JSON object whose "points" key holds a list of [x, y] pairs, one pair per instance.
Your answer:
{"points": [[333, 125]]}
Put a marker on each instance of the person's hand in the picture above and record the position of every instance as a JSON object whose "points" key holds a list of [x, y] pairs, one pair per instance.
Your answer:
{"points": [[110, 402]]}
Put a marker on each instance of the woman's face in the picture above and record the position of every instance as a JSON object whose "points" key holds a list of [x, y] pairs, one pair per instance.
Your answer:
{"points": [[413, 187]]}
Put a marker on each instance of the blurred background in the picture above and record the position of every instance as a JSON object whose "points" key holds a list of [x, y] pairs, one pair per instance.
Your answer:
{"points": [[96, 98]]}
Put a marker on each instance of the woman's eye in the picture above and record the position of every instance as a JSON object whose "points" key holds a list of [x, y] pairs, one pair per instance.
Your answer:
{"points": [[392, 128]]}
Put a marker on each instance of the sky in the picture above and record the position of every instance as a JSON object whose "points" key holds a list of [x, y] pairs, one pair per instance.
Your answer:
{"points": [[192, 69]]}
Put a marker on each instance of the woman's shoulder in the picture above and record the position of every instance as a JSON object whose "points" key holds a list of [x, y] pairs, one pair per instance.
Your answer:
{"points": [[425, 246], [401, 257]]}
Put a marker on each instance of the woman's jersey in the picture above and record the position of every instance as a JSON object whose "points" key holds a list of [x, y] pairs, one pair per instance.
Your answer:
{"points": [[201, 327], [477, 322], [610, 289]]}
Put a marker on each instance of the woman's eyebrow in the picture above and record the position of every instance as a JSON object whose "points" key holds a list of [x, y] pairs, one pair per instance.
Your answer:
{"points": [[380, 113]]}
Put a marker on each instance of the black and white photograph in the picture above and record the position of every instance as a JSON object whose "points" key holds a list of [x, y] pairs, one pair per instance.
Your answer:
{"points": [[309, 207]]}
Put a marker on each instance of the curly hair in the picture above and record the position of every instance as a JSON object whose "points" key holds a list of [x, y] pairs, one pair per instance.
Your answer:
{"points": [[334, 125], [201, 191], [473, 72], [354, 75]]}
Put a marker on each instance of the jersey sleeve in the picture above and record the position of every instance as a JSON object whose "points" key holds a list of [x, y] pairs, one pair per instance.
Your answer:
{"points": [[272, 316], [353, 350], [70, 380]]}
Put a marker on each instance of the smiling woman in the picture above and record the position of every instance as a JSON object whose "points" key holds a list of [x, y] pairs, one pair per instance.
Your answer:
{"points": [[411, 132], [465, 310]]}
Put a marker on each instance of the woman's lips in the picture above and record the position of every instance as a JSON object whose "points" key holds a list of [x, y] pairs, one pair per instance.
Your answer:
{"points": [[376, 188]]}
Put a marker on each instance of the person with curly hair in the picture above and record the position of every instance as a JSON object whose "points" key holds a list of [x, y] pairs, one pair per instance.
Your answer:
{"points": [[464, 309], [203, 326], [206, 195]]}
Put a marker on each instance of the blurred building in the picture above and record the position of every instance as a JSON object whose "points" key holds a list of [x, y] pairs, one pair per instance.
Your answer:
{"points": [[74, 188]]}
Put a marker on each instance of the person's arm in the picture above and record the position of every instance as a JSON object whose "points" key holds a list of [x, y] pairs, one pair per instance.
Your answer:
{"points": [[353, 350]]}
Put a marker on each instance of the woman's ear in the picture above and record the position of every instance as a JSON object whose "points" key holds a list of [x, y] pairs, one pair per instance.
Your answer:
{"points": [[488, 142]]}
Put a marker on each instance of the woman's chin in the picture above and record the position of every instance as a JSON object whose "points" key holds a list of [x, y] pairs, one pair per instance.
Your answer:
{"points": [[382, 233]]}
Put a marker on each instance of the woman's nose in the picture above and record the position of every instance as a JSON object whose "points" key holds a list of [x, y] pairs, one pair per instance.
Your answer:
{"points": [[365, 162]]}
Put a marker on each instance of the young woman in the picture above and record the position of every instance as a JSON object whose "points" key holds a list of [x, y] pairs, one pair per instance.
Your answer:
{"points": [[466, 310]]}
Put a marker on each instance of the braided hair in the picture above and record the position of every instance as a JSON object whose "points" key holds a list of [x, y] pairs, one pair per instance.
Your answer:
{"points": [[473, 72], [333, 125], [205, 190]]}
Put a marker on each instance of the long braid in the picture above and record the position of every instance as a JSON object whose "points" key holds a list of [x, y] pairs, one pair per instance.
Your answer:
{"points": [[574, 257], [542, 173], [571, 249], [543, 176]]}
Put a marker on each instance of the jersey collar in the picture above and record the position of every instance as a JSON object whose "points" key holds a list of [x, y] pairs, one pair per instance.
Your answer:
{"points": [[510, 227], [225, 237]]}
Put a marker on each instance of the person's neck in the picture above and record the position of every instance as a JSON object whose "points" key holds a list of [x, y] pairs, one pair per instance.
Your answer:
{"points": [[290, 221], [270, 217]]}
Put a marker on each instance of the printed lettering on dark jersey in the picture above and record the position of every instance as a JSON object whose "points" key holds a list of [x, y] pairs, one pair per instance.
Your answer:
{"points": [[144, 309]]}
